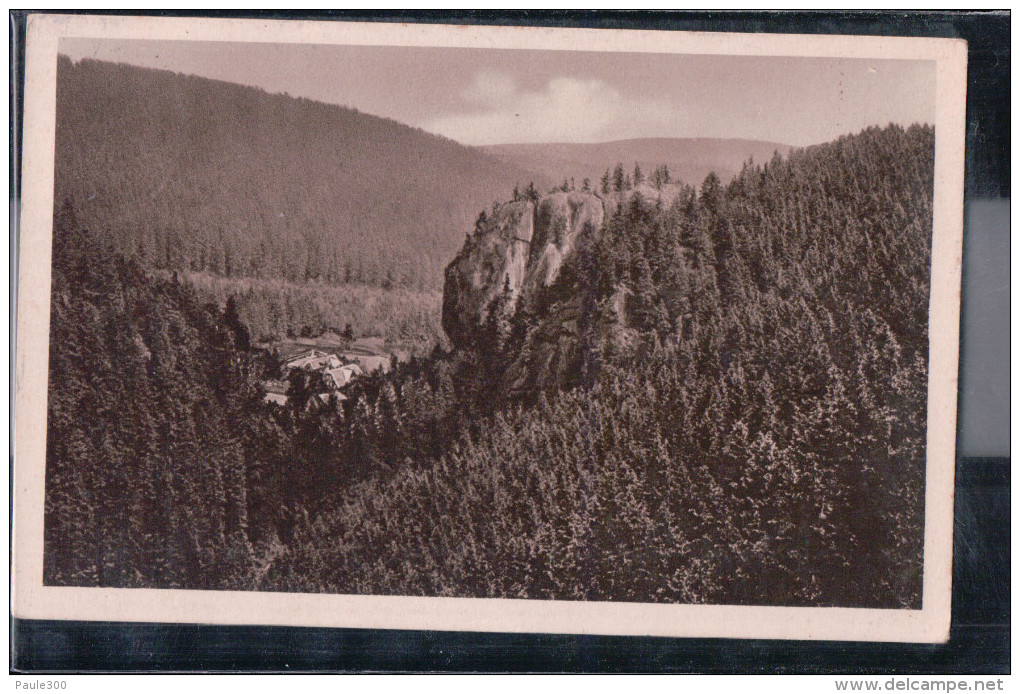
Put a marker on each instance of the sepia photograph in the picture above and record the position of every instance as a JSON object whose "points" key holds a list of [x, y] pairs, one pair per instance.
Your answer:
{"points": [[595, 331]]}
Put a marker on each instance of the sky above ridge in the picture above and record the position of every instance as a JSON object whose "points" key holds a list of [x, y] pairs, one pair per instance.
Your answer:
{"points": [[493, 96]]}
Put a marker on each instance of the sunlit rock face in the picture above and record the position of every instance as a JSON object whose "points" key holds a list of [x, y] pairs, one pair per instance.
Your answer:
{"points": [[493, 261], [559, 221], [516, 250], [510, 262]]}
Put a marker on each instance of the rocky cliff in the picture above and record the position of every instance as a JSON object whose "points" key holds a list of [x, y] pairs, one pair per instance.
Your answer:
{"points": [[493, 261], [515, 252], [510, 262]]}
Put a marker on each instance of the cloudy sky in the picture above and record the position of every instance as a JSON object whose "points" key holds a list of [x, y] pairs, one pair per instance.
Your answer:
{"points": [[486, 96]]}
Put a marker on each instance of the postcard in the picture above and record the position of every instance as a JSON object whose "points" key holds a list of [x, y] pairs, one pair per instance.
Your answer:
{"points": [[506, 329]]}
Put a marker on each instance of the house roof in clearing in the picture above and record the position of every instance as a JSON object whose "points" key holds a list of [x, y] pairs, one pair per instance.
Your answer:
{"points": [[315, 359], [277, 398], [341, 375]]}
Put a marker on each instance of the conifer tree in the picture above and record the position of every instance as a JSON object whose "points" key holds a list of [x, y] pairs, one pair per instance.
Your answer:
{"points": [[618, 178]]}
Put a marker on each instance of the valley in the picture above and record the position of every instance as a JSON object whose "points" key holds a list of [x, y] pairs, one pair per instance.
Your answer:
{"points": [[299, 348]]}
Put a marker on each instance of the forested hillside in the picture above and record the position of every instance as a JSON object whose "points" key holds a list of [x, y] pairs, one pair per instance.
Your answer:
{"points": [[164, 467], [756, 436], [738, 414], [146, 476], [274, 308], [187, 173]]}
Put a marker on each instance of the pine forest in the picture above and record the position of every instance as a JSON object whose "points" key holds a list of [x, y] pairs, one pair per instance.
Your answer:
{"points": [[626, 387]]}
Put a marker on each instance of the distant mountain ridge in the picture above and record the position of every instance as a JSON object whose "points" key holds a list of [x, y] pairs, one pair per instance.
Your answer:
{"points": [[688, 159], [189, 173]]}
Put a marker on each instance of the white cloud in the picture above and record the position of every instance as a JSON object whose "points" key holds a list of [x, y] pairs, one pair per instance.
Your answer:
{"points": [[566, 110]]}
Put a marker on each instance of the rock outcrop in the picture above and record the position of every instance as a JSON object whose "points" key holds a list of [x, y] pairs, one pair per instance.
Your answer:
{"points": [[493, 261], [515, 254], [560, 219], [516, 251]]}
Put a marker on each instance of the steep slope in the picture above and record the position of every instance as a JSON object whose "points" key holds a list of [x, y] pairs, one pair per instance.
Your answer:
{"points": [[196, 174], [688, 159], [760, 442], [514, 261], [149, 399], [519, 249]]}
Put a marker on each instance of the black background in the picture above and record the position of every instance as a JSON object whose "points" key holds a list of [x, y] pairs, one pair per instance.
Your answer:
{"points": [[979, 637]]}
